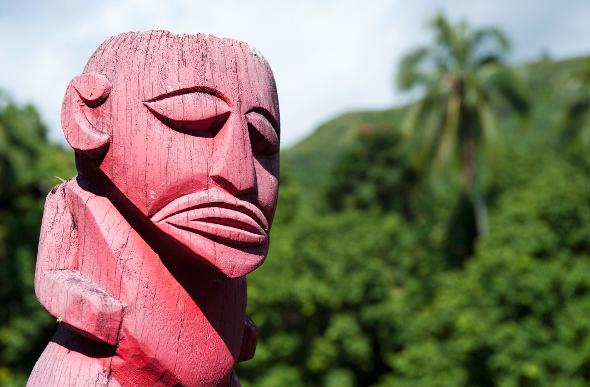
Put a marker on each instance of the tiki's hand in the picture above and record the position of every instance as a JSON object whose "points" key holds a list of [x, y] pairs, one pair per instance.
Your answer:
{"points": [[249, 341], [82, 306]]}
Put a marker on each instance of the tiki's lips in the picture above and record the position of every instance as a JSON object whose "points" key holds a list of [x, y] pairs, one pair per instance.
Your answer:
{"points": [[217, 215]]}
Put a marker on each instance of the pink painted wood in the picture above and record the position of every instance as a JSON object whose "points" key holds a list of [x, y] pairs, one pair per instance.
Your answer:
{"points": [[143, 255]]}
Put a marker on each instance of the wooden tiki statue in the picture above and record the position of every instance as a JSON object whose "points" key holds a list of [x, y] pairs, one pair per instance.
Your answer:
{"points": [[143, 255]]}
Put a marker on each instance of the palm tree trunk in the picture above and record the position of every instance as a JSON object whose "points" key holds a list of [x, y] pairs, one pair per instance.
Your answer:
{"points": [[480, 208], [471, 179], [468, 159]]}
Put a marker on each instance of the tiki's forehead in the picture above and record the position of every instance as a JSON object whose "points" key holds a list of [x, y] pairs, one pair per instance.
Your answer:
{"points": [[174, 62]]}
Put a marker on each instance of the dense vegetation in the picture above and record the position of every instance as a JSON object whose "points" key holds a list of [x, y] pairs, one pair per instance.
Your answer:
{"points": [[376, 274], [28, 163]]}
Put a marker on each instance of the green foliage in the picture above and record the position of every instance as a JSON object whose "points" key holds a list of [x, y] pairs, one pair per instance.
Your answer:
{"points": [[375, 173], [576, 121], [313, 301], [515, 315], [315, 156], [371, 297], [28, 163], [382, 283]]}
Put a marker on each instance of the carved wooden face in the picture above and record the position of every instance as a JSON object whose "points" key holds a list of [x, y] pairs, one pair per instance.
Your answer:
{"points": [[194, 142]]}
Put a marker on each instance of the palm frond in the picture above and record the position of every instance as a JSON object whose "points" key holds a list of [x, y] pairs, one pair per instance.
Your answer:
{"points": [[461, 44], [421, 127], [411, 119], [445, 35], [411, 74], [430, 133], [493, 35], [488, 59], [443, 30], [511, 90], [486, 119]]}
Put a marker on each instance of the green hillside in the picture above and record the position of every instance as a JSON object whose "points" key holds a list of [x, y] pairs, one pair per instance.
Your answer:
{"points": [[311, 160]]}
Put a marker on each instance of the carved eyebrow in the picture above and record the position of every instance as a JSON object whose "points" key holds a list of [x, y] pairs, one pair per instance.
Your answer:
{"points": [[194, 89], [268, 115]]}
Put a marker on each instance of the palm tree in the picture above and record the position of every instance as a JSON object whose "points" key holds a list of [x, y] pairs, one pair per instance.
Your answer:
{"points": [[461, 75]]}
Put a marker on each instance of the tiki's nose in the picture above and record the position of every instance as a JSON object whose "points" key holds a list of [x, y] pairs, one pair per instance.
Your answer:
{"points": [[233, 166]]}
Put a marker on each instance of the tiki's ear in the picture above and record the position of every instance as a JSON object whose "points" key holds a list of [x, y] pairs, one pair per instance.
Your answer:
{"points": [[82, 122]]}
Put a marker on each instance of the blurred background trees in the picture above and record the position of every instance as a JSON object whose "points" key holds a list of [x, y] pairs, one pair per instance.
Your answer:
{"points": [[28, 163], [576, 121], [382, 277], [460, 75], [378, 274]]}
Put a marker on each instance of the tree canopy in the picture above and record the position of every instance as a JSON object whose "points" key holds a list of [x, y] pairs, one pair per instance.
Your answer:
{"points": [[28, 163]]}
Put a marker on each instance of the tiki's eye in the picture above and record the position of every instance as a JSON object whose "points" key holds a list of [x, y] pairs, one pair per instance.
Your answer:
{"points": [[263, 136], [190, 112]]}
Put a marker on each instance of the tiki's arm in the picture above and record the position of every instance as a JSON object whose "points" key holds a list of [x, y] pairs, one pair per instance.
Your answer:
{"points": [[62, 290]]}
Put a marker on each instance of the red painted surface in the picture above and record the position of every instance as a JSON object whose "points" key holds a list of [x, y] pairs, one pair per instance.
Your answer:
{"points": [[142, 256]]}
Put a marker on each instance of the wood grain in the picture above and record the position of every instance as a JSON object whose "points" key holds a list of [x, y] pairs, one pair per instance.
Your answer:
{"points": [[143, 256]]}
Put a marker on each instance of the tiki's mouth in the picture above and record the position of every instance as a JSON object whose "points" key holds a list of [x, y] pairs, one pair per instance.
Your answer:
{"points": [[216, 215]]}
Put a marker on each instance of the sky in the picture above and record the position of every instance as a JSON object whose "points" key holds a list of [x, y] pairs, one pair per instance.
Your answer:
{"points": [[328, 56]]}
